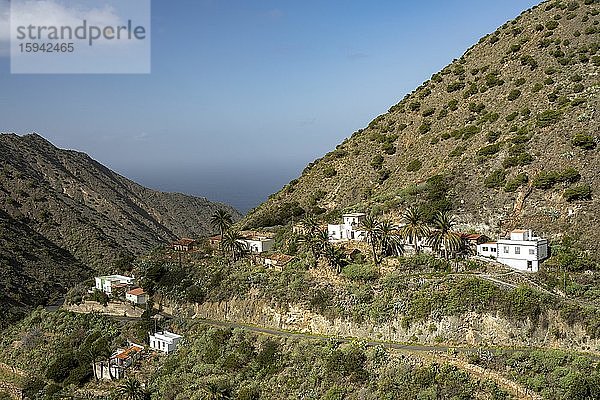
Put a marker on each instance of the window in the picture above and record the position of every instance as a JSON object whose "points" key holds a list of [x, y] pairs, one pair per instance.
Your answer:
{"points": [[506, 249], [493, 249], [484, 248], [531, 251], [517, 250]]}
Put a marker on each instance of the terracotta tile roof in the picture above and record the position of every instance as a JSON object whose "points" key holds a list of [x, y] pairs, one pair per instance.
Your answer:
{"points": [[184, 242], [280, 258], [128, 352], [136, 292]]}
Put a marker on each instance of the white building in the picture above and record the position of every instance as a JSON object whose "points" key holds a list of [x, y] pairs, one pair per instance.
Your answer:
{"points": [[349, 229], [165, 341], [108, 283], [522, 251], [137, 296], [257, 243]]}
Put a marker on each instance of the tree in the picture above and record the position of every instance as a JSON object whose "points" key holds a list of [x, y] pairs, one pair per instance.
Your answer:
{"points": [[336, 257], [221, 220], [314, 239], [390, 240], [212, 391], [443, 237], [414, 228], [131, 389], [232, 243], [372, 228]]}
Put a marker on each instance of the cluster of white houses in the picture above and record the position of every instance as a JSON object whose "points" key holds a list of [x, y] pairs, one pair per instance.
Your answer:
{"points": [[121, 285], [522, 250]]}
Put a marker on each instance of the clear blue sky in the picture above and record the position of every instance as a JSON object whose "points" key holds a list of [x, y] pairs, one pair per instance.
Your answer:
{"points": [[243, 94]]}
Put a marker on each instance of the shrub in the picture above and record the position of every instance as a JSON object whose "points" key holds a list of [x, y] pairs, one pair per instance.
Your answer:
{"points": [[537, 87], [511, 117], [551, 25], [530, 61], [569, 175], [329, 172], [491, 137], [429, 112], [493, 79], [453, 105], [360, 272], [584, 141], [520, 159], [424, 128], [377, 162], [489, 150], [414, 165], [458, 151], [520, 81], [578, 88], [414, 106], [545, 180], [496, 179], [454, 86], [548, 118], [389, 148], [514, 94], [580, 192], [442, 114], [476, 107], [516, 182], [383, 175]]}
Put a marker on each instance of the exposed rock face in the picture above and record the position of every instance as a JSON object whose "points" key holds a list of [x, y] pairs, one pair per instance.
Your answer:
{"points": [[469, 329], [521, 103]]}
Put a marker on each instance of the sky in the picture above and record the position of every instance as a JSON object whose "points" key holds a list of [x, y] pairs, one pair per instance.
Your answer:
{"points": [[242, 95]]}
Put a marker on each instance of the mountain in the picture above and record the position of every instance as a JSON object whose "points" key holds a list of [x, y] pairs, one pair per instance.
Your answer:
{"points": [[33, 270], [505, 136], [68, 216]]}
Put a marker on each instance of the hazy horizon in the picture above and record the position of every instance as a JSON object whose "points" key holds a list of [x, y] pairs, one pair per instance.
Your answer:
{"points": [[246, 95]]}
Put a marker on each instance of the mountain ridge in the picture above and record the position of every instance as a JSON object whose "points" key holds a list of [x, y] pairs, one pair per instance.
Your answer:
{"points": [[505, 136]]}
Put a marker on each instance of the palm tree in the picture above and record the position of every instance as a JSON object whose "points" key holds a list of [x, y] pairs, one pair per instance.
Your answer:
{"points": [[316, 241], [443, 236], [414, 228], [232, 242], [131, 389], [336, 257], [221, 220], [212, 391], [372, 228], [391, 242]]}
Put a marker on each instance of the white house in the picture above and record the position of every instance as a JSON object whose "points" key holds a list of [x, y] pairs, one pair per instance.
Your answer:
{"points": [[118, 362], [137, 296], [165, 341], [108, 283], [256, 242], [522, 251], [349, 229]]}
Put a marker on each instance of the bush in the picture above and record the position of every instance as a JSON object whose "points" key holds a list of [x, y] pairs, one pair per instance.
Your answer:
{"points": [[414, 165], [489, 150], [454, 86], [453, 105], [584, 141], [548, 118], [458, 151], [360, 272], [514, 94], [329, 172], [496, 179], [429, 112], [545, 180], [476, 107], [569, 175], [389, 148], [377, 162], [520, 159], [424, 128], [516, 182], [530, 61], [491, 137], [580, 192]]}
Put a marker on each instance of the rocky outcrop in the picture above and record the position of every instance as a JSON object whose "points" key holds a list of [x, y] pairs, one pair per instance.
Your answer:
{"points": [[470, 329]]}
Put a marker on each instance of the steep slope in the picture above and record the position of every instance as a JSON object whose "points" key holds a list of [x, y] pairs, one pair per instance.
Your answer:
{"points": [[505, 136], [32, 269], [87, 209]]}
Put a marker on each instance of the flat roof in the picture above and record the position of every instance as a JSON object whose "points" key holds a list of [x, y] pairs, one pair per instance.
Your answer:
{"points": [[166, 335], [115, 277], [354, 215]]}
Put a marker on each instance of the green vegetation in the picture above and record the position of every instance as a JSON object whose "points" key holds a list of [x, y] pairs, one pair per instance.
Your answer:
{"points": [[585, 141], [580, 192], [414, 165], [514, 94], [489, 150], [548, 118], [515, 183], [496, 179], [547, 179]]}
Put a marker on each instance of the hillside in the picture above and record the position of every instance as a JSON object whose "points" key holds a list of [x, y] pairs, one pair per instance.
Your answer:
{"points": [[64, 215], [505, 136], [32, 269]]}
